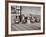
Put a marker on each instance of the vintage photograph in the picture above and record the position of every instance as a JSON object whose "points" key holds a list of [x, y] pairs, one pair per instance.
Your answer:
{"points": [[25, 18]]}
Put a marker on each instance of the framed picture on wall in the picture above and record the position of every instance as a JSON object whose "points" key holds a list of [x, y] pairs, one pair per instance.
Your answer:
{"points": [[25, 18]]}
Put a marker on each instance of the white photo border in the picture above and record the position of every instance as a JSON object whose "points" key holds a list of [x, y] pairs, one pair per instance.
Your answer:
{"points": [[23, 32]]}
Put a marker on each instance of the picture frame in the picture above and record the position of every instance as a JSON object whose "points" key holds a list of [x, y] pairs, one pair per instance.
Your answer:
{"points": [[25, 5]]}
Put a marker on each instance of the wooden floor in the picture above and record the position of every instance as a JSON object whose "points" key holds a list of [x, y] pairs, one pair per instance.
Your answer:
{"points": [[22, 27]]}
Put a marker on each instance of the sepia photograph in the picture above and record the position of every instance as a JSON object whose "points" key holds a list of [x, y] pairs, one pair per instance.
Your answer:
{"points": [[25, 18]]}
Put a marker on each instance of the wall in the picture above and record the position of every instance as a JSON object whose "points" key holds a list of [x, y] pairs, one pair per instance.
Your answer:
{"points": [[30, 10]]}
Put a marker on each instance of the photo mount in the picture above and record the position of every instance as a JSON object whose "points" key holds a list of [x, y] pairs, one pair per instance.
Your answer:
{"points": [[6, 18]]}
